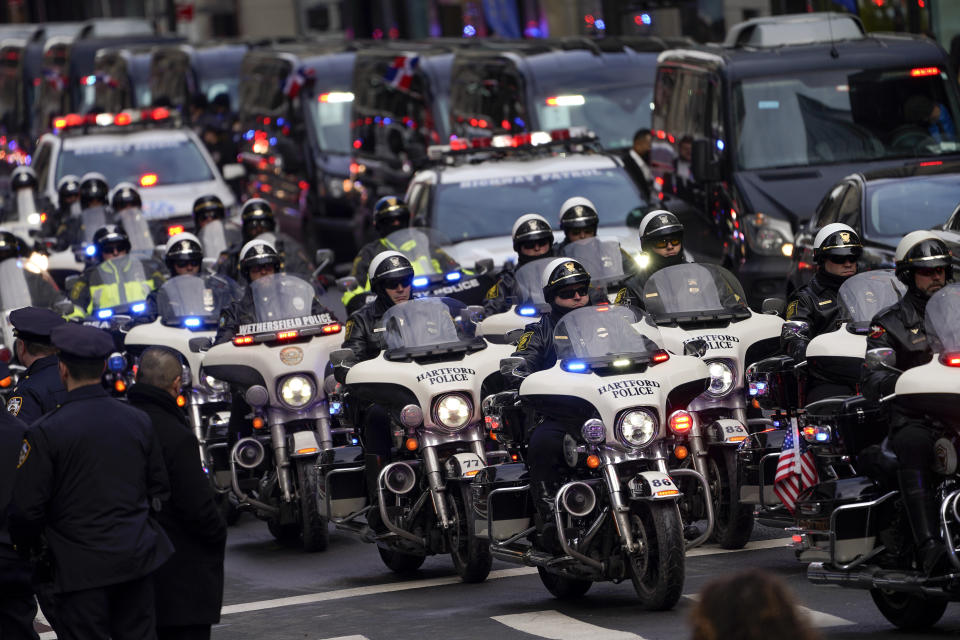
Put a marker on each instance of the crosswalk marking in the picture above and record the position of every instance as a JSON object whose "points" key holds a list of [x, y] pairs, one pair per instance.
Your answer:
{"points": [[818, 619], [557, 626]]}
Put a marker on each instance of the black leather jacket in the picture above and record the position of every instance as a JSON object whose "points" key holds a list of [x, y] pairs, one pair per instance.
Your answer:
{"points": [[364, 334], [898, 327], [818, 305], [536, 348], [295, 260]]}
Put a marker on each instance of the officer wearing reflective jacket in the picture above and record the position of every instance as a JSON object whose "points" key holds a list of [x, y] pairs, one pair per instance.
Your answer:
{"points": [[39, 389], [532, 240], [661, 244], [257, 218], [566, 287], [924, 264]]}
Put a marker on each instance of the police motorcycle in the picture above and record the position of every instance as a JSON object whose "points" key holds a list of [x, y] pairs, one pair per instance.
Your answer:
{"points": [[22, 217], [526, 308], [701, 309], [616, 513], [834, 429], [431, 378], [865, 535], [279, 360], [76, 246]]}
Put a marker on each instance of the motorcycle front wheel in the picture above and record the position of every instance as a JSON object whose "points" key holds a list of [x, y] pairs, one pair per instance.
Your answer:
{"points": [[908, 611], [733, 520], [471, 555], [657, 569], [313, 523]]}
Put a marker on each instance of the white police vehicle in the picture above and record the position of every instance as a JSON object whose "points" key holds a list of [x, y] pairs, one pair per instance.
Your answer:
{"points": [[147, 147]]}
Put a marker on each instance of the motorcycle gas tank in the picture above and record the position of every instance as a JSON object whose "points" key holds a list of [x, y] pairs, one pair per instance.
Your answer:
{"points": [[499, 324], [838, 344], [609, 395], [157, 334], [932, 388], [426, 381], [249, 364], [731, 341]]}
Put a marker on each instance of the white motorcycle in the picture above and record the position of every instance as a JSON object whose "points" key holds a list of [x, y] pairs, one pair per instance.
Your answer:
{"points": [[279, 360], [431, 378], [616, 512]]}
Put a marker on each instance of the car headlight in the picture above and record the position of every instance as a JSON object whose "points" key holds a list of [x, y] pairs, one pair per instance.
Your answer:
{"points": [[722, 378], [637, 427], [297, 391], [769, 236], [335, 187], [452, 411]]}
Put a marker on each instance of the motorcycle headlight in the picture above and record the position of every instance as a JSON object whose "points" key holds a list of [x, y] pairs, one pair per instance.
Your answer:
{"points": [[722, 378], [636, 428], [213, 384], [769, 236], [452, 411], [335, 187], [297, 391]]}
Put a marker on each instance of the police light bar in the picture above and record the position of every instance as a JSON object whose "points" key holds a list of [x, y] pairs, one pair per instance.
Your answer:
{"points": [[103, 314], [527, 311], [328, 329], [421, 281], [453, 276], [140, 307], [192, 323], [527, 140], [129, 116]]}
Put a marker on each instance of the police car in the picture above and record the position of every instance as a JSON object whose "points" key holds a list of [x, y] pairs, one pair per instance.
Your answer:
{"points": [[147, 147]]}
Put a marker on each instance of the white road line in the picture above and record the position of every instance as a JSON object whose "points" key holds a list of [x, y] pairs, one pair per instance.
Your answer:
{"points": [[349, 638], [556, 626]]}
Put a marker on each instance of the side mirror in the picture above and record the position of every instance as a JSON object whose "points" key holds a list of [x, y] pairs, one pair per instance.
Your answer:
{"points": [[509, 366], [200, 344], [474, 312], [347, 283], [484, 265], [341, 360], [323, 259], [64, 307], [881, 359], [773, 306], [696, 347], [233, 171], [797, 328], [120, 321], [704, 167]]}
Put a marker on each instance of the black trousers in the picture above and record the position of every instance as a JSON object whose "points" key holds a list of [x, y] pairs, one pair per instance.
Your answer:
{"points": [[185, 632], [123, 611], [545, 453], [377, 436], [18, 608], [913, 442]]}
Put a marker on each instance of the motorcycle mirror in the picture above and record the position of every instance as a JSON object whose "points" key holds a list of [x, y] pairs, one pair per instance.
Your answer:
{"points": [[63, 308], [797, 327], [120, 321], [696, 347], [484, 265], [209, 264], [513, 336], [186, 380], [474, 312], [341, 360], [881, 358], [508, 366], [773, 306], [199, 344], [323, 259], [347, 283]]}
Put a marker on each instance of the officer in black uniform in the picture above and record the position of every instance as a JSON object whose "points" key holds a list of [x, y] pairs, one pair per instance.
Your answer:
{"points": [[532, 240], [579, 220], [94, 190], [86, 478], [208, 208], [257, 219], [125, 196], [923, 263], [389, 214], [661, 243], [39, 389]]}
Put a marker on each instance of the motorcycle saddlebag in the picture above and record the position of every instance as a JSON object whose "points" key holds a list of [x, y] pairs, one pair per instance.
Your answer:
{"points": [[856, 528], [757, 460], [344, 468], [512, 510], [857, 422], [773, 383]]}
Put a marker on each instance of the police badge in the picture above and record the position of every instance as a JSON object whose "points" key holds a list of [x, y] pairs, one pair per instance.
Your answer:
{"points": [[14, 404]]}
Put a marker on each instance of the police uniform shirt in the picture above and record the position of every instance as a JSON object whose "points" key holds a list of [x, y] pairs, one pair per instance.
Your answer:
{"points": [[38, 391]]}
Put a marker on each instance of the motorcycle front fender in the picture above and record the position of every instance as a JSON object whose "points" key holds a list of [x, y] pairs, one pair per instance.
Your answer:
{"points": [[726, 431], [653, 485], [304, 444]]}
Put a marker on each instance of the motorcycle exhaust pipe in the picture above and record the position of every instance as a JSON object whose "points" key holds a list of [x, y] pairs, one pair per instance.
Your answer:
{"points": [[579, 499], [399, 478], [248, 453], [862, 578]]}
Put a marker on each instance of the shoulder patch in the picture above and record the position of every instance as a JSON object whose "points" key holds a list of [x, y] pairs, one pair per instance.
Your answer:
{"points": [[493, 291], [621, 296], [14, 404], [524, 341], [792, 309], [347, 328], [876, 331], [24, 453]]}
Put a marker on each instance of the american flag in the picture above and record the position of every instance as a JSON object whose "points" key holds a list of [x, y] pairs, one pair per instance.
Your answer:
{"points": [[400, 72], [796, 469]]}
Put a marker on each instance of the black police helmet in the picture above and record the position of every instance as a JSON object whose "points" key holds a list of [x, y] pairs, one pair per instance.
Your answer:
{"points": [[93, 187], [10, 246], [560, 274], [920, 249], [389, 213], [124, 197], [659, 224], [578, 213], [208, 207], [259, 252], [838, 240], [108, 237], [257, 212], [68, 187], [387, 266], [183, 246], [530, 227], [23, 178]]}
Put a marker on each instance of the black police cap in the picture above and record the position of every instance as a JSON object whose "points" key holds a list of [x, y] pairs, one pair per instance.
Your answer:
{"points": [[34, 324], [79, 342]]}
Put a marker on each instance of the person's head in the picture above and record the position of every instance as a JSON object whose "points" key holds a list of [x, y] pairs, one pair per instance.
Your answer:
{"points": [[23, 177], [160, 367], [836, 249], [10, 246], [643, 142], [32, 327], [578, 219], [183, 255], [256, 217], [391, 277], [532, 237], [923, 263], [750, 605], [920, 109], [93, 190], [259, 258], [207, 208], [566, 285], [685, 148], [83, 351], [68, 191], [125, 196], [111, 242], [661, 233], [389, 214]]}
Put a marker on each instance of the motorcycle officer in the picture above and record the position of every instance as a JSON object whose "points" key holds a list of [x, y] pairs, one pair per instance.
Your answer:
{"points": [[579, 220], [68, 205], [183, 255], [208, 208], [566, 286], [924, 264], [257, 219], [532, 240], [125, 196], [93, 190], [661, 243]]}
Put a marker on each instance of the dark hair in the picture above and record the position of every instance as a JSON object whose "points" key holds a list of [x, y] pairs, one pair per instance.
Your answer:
{"points": [[751, 605], [84, 369], [159, 367], [640, 134], [686, 138], [38, 348]]}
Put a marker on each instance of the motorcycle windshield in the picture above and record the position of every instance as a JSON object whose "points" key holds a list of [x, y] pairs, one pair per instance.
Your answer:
{"points": [[281, 296], [427, 322], [942, 320], [136, 228], [422, 248], [864, 295], [601, 331], [24, 285], [91, 219], [694, 292], [213, 237], [601, 258], [192, 301], [529, 280], [119, 282]]}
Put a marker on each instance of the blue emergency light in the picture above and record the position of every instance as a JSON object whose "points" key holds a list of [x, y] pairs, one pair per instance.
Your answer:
{"points": [[140, 307], [103, 314], [453, 276], [91, 250], [575, 366], [421, 281], [527, 311], [192, 323]]}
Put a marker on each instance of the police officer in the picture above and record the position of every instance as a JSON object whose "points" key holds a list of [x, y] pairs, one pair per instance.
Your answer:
{"points": [[68, 204], [257, 219], [94, 190], [209, 208], [661, 245], [86, 477], [391, 279], [39, 389], [11, 246], [924, 265], [206, 209], [183, 255], [579, 220], [23, 184], [566, 286], [125, 196], [532, 240]]}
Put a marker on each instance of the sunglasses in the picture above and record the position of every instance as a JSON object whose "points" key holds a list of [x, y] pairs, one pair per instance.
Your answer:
{"points": [[534, 244], [187, 263], [397, 283], [929, 272], [263, 268], [842, 259], [110, 251], [662, 244], [569, 294]]}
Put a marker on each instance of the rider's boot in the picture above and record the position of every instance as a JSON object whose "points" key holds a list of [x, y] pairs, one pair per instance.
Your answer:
{"points": [[543, 500], [374, 521], [921, 508]]}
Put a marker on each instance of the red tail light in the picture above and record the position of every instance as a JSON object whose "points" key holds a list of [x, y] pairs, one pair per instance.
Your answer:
{"points": [[148, 180], [681, 422], [660, 356], [919, 72], [950, 359], [329, 329], [243, 340], [287, 335], [174, 230]]}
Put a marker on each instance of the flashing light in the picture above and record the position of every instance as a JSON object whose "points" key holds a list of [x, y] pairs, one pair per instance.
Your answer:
{"points": [[34, 218], [920, 72], [575, 366], [622, 362], [330, 329], [175, 229], [681, 452], [122, 119], [249, 134], [103, 314], [527, 311], [243, 340], [160, 113], [421, 281], [140, 307], [116, 362], [90, 81], [334, 97], [681, 422], [453, 276], [181, 401], [757, 388], [565, 101], [411, 444], [357, 144], [59, 123], [593, 461], [720, 145], [931, 163], [192, 323], [6, 382], [287, 335], [280, 122], [104, 119], [120, 386], [950, 359], [148, 180], [91, 250], [469, 31], [600, 24], [258, 423], [660, 356], [273, 142], [335, 408]]}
